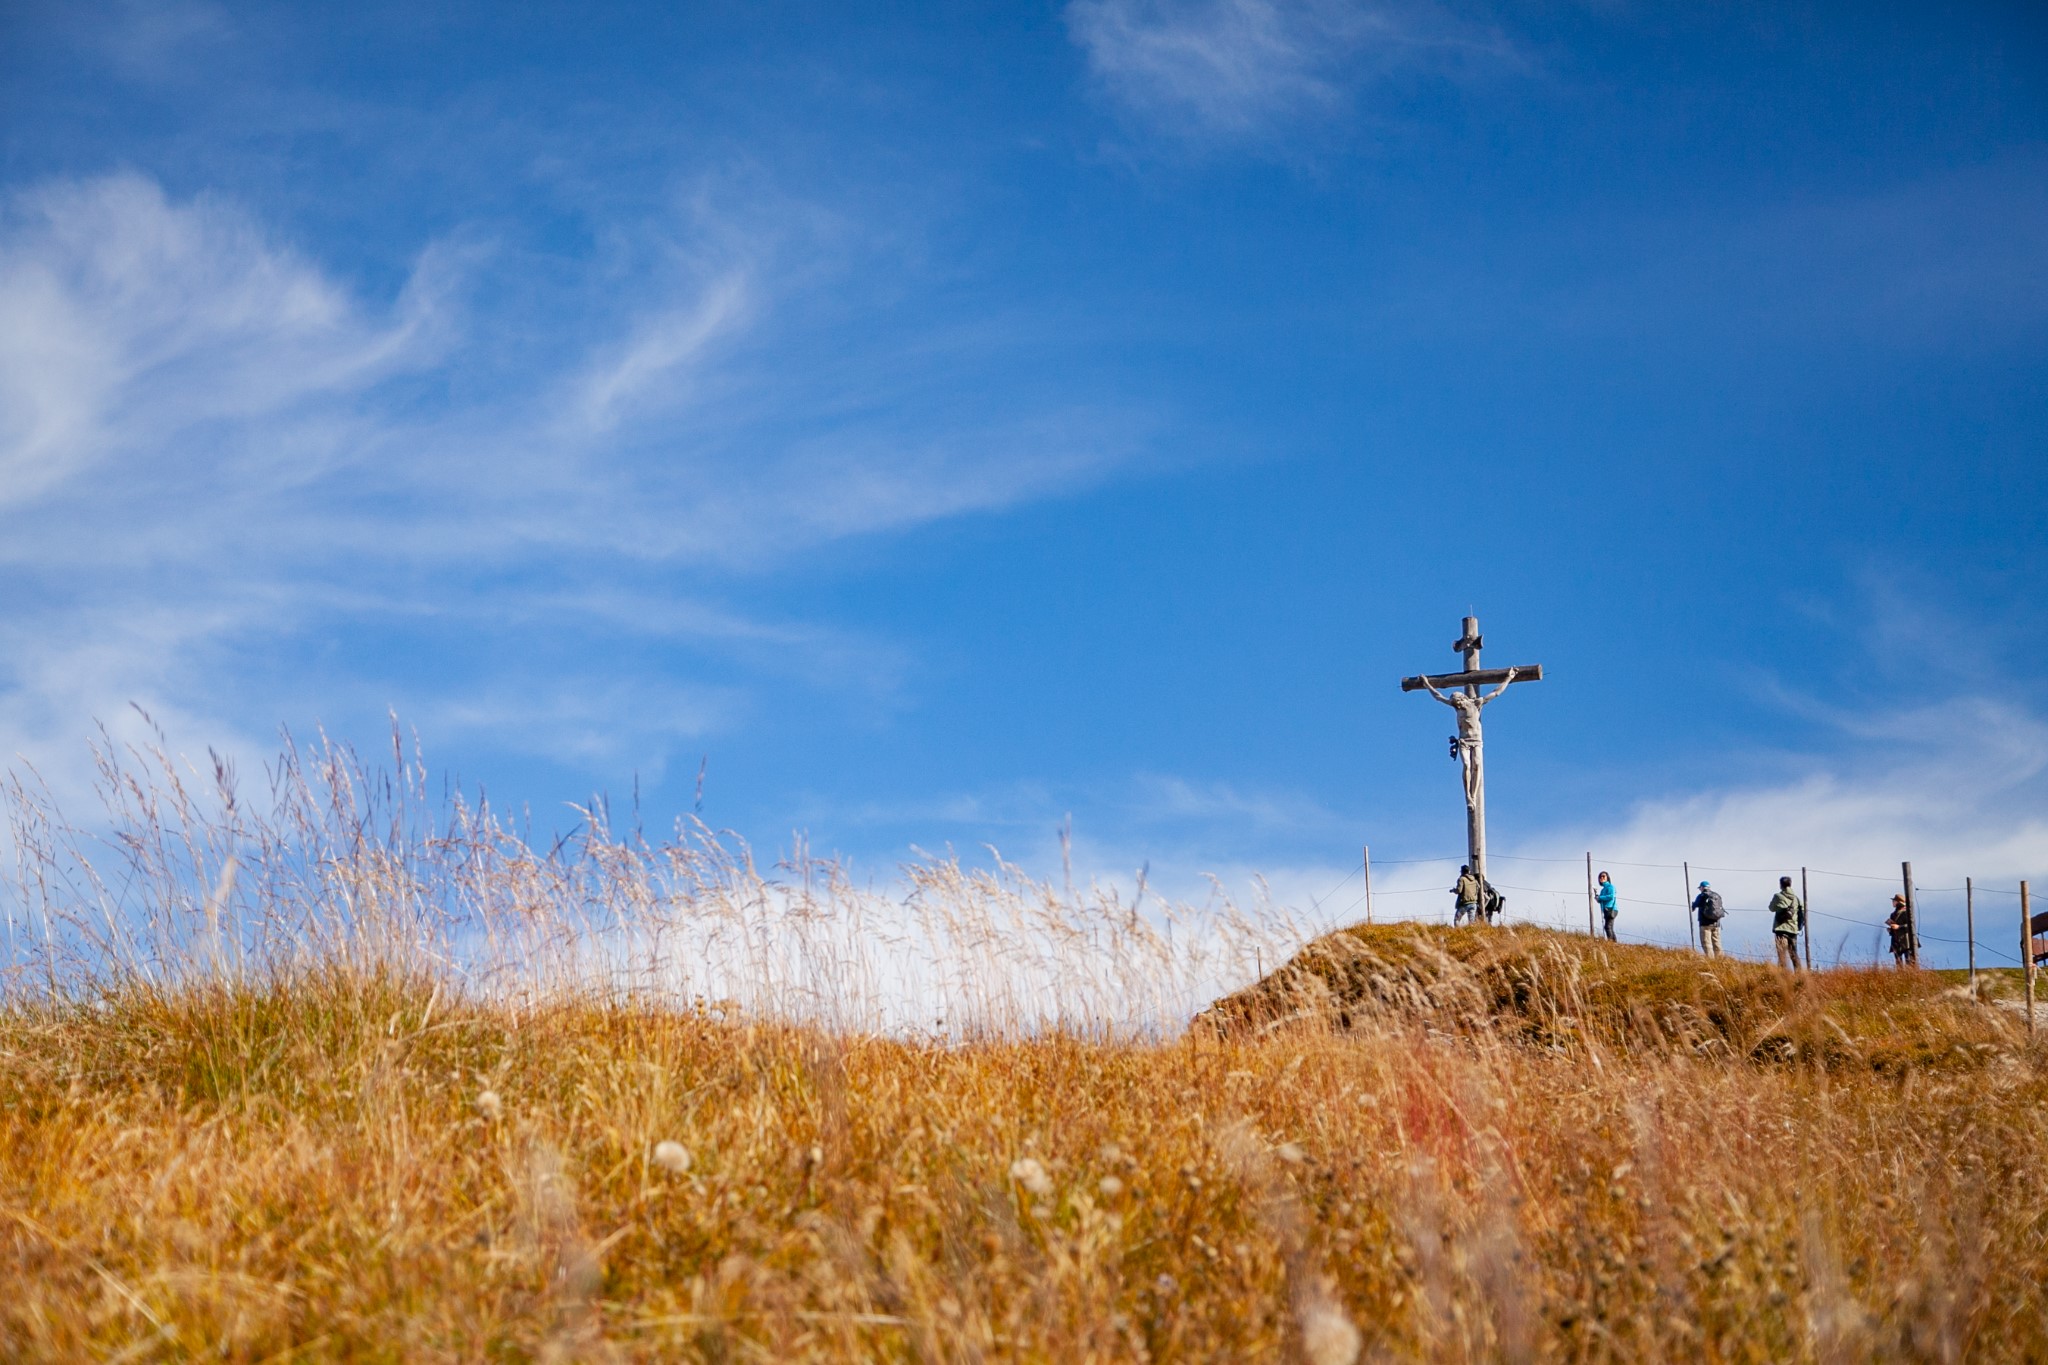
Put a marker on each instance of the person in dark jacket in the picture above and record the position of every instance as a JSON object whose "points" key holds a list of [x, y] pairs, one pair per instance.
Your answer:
{"points": [[1900, 923], [1609, 905], [1788, 917], [1707, 905]]}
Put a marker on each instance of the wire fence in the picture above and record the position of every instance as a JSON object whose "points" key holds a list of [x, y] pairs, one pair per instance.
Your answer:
{"points": [[1934, 906]]}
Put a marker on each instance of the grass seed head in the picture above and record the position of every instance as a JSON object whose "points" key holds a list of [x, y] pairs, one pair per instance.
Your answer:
{"points": [[672, 1156], [1028, 1172], [1327, 1336]]}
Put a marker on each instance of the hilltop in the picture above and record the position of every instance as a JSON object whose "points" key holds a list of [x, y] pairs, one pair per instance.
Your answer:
{"points": [[1545, 989]]}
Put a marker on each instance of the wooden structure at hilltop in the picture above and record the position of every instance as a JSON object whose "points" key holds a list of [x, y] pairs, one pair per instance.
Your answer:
{"points": [[1460, 691]]}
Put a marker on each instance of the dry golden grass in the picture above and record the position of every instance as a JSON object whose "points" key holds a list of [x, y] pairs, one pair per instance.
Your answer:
{"points": [[348, 1080], [354, 1167]]}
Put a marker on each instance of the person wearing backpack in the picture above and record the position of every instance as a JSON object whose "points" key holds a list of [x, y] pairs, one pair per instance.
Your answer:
{"points": [[1491, 902], [1467, 893], [1707, 905], [1609, 906], [1788, 917]]}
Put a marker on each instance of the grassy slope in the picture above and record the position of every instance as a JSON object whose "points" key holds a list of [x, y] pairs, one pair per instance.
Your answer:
{"points": [[1548, 989], [1521, 1146]]}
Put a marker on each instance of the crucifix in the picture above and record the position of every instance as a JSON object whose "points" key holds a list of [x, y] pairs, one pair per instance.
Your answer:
{"points": [[1460, 692]]}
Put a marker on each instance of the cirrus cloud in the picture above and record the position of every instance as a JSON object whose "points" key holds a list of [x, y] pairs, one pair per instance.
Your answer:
{"points": [[1240, 70]]}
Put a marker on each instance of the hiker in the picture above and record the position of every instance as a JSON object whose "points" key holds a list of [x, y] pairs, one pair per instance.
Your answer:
{"points": [[1608, 908], [1467, 893], [1491, 902], [1900, 923], [1788, 917], [1707, 904]]}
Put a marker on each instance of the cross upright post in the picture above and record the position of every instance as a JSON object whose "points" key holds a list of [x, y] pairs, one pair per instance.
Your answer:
{"points": [[1460, 691]]}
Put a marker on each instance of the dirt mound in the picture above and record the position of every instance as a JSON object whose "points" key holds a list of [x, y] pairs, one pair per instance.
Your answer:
{"points": [[1546, 989]]}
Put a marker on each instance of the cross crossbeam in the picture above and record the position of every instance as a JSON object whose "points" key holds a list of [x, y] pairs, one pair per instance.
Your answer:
{"points": [[1445, 681]]}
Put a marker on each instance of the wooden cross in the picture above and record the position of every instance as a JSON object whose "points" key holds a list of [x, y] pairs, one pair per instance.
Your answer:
{"points": [[1460, 692]]}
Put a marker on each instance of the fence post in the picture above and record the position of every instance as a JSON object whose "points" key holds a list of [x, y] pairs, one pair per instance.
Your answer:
{"points": [[1685, 907], [1368, 883], [1590, 931], [1912, 913], [1970, 928], [1806, 918], [2027, 953]]}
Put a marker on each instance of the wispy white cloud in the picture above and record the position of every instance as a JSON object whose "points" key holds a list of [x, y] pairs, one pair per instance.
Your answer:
{"points": [[1243, 69], [208, 439], [135, 672], [154, 40], [610, 725], [866, 483], [1164, 799], [127, 322], [654, 358]]}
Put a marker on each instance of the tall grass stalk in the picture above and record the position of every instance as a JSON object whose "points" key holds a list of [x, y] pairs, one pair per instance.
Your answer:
{"points": [[177, 880]]}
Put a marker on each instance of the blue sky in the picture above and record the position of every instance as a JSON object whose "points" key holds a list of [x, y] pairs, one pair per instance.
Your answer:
{"points": [[937, 422]]}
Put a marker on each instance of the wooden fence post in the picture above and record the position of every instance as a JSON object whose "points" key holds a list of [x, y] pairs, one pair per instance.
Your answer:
{"points": [[1590, 931], [1368, 883], [1685, 907], [2027, 952], [1806, 918], [1970, 928], [1912, 914]]}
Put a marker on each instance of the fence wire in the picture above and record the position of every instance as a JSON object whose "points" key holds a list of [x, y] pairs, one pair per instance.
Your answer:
{"points": [[1989, 949]]}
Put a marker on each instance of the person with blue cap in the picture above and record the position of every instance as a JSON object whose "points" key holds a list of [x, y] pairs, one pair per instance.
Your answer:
{"points": [[1707, 904]]}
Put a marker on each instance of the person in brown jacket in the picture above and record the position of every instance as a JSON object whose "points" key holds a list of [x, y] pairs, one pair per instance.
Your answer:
{"points": [[1788, 917], [1466, 897]]}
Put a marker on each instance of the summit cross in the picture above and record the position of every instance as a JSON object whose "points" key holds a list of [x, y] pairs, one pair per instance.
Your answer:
{"points": [[1460, 692]]}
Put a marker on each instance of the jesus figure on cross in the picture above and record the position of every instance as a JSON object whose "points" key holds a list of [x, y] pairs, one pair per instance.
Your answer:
{"points": [[1465, 745]]}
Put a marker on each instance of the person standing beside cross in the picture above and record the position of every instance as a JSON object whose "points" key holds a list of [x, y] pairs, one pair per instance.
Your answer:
{"points": [[1465, 897]]}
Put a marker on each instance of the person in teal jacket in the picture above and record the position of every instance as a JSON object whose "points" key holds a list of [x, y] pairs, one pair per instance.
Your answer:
{"points": [[1604, 893]]}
